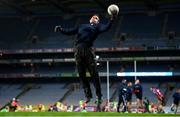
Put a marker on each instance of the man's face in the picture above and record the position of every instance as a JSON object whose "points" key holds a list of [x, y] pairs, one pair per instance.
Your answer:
{"points": [[94, 19], [137, 82], [178, 90], [129, 84]]}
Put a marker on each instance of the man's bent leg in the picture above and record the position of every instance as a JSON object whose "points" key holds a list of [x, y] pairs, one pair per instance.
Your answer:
{"points": [[82, 76], [92, 68]]}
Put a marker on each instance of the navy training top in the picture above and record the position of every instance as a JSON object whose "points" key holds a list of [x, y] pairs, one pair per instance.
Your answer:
{"points": [[87, 33]]}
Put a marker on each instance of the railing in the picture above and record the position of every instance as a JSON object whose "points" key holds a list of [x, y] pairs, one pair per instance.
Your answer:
{"points": [[70, 50]]}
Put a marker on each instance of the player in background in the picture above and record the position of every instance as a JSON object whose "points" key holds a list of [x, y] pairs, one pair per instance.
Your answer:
{"points": [[122, 94], [176, 99], [138, 91], [160, 97]]}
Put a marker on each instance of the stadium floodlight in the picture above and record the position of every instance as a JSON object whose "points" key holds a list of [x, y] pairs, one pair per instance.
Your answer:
{"points": [[97, 57], [97, 63]]}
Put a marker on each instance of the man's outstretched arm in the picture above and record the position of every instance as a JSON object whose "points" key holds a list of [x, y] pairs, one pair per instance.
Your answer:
{"points": [[105, 27], [70, 31]]}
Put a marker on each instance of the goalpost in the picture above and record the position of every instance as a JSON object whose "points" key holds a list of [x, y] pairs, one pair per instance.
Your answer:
{"points": [[107, 65]]}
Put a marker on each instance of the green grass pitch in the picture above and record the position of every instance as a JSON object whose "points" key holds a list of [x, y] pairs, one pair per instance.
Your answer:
{"points": [[102, 114]]}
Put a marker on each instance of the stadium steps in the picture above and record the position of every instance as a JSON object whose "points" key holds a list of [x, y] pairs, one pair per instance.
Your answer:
{"points": [[47, 94], [72, 87], [114, 95], [8, 92], [27, 87]]}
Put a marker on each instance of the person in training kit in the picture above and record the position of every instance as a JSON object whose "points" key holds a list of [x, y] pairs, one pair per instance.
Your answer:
{"points": [[146, 103], [122, 94], [176, 99], [139, 93], [129, 96], [84, 56], [160, 97]]}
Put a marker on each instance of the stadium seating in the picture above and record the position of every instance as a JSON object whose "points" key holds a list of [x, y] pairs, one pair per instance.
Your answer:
{"points": [[141, 29], [46, 94], [8, 91]]}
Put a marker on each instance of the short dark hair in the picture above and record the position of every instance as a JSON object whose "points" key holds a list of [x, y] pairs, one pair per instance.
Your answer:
{"points": [[96, 15]]}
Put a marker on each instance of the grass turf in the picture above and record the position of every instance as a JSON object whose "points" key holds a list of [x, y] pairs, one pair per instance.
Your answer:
{"points": [[105, 114]]}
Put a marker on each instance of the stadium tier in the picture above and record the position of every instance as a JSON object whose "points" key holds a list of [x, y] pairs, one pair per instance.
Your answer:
{"points": [[45, 66]]}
